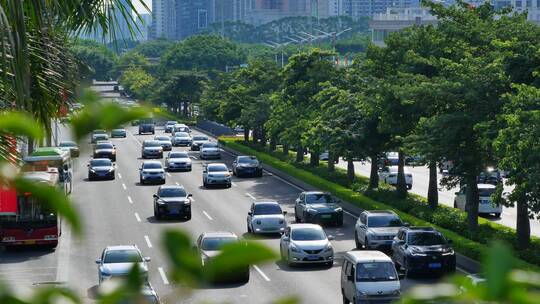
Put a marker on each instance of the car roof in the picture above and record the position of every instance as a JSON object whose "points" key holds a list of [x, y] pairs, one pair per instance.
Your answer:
{"points": [[119, 129], [315, 192], [103, 142], [170, 187], [103, 158], [67, 142], [121, 247], [367, 256], [486, 186], [219, 234], [179, 152], [151, 162], [300, 226], [420, 229], [216, 165], [149, 140], [246, 156], [379, 212], [265, 203]]}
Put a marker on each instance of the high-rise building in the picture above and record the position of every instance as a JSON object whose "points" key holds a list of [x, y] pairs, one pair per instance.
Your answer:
{"points": [[144, 24], [366, 8], [163, 19], [192, 17]]}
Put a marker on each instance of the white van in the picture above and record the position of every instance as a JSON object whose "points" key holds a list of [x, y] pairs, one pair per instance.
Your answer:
{"points": [[369, 276], [485, 202]]}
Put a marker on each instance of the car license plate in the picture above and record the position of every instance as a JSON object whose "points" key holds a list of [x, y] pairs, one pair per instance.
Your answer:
{"points": [[269, 229], [434, 265], [312, 257], [326, 216], [30, 242]]}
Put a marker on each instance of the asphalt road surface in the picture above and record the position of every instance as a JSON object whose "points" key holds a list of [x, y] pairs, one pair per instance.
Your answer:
{"points": [[121, 212], [446, 196]]}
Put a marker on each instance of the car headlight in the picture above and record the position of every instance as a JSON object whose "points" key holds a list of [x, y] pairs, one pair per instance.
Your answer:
{"points": [[363, 294], [448, 251], [294, 248], [113, 152], [105, 275], [92, 170], [328, 247], [396, 292], [338, 209], [258, 222], [417, 252], [310, 210], [111, 169], [160, 202]]}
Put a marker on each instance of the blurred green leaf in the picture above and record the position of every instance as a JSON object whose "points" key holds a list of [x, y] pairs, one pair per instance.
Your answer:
{"points": [[20, 124], [54, 198], [52, 295], [185, 262], [496, 267], [288, 300], [236, 257], [125, 290]]}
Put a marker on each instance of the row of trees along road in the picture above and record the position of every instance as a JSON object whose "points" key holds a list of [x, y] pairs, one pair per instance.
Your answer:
{"points": [[466, 90]]}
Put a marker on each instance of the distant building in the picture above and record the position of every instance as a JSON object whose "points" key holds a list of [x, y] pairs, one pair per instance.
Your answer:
{"points": [[396, 19], [367, 8], [163, 19], [144, 24], [192, 17]]}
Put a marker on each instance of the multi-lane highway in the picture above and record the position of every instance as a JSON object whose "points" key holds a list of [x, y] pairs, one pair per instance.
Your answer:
{"points": [[446, 196], [121, 212]]}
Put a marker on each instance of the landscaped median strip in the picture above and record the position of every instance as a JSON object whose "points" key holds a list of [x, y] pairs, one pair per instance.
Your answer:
{"points": [[463, 245]]}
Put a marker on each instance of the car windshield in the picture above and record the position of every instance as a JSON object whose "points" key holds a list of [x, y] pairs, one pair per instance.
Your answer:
{"points": [[171, 123], [101, 136], [100, 162], [122, 256], [216, 243], [172, 192], [425, 239], [104, 146], [375, 272], [217, 168], [200, 138], [321, 198], [179, 155], [152, 144], [308, 234], [67, 144], [181, 134], [486, 192], [384, 221], [152, 166], [247, 160], [119, 130], [165, 138], [210, 145], [262, 209], [99, 132]]}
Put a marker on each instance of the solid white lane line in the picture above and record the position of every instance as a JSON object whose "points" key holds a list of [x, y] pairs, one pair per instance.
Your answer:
{"points": [[266, 278], [119, 176], [163, 276], [252, 197], [130, 200], [287, 182], [234, 184], [207, 215], [135, 138], [124, 186], [147, 239], [137, 217]]}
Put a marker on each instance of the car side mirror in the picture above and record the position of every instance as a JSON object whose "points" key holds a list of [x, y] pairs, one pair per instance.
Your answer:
{"points": [[350, 278], [401, 242], [406, 224], [147, 259], [250, 213], [330, 237], [155, 196], [190, 195], [456, 193], [284, 212], [401, 275], [88, 165], [98, 261]]}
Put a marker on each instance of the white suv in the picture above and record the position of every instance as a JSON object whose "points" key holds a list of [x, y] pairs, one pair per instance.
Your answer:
{"points": [[485, 202]]}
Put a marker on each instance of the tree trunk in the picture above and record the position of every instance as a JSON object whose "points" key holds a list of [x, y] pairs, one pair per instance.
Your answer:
{"points": [[185, 109], [255, 135], [286, 149], [433, 191], [350, 170], [246, 134], [314, 158], [299, 154], [401, 186], [472, 203], [523, 225], [272, 143], [262, 136], [331, 161], [374, 173]]}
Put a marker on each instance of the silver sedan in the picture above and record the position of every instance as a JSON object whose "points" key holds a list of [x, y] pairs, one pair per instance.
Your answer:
{"points": [[306, 243]]}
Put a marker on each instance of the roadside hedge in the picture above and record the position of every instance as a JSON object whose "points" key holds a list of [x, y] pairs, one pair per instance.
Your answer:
{"points": [[414, 209]]}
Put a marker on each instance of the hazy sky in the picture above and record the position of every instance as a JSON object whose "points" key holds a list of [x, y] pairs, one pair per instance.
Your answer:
{"points": [[139, 6]]}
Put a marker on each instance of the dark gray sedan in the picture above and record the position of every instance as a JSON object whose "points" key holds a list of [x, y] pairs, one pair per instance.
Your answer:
{"points": [[317, 207]]}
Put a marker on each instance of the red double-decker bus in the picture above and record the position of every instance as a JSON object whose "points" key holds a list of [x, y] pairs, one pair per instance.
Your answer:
{"points": [[26, 221]]}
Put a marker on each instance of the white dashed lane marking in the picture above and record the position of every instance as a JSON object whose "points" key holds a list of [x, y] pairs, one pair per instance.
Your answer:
{"points": [[137, 217], [252, 197], [124, 186], [147, 239], [119, 176], [207, 215], [130, 200], [265, 277], [163, 276]]}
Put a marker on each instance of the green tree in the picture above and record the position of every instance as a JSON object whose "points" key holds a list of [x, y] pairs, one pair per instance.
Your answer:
{"points": [[129, 60], [96, 58], [180, 90], [154, 48], [202, 52], [138, 83]]}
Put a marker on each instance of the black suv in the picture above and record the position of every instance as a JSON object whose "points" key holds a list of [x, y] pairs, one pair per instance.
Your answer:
{"points": [[422, 249], [146, 127], [247, 165], [172, 201], [317, 207]]}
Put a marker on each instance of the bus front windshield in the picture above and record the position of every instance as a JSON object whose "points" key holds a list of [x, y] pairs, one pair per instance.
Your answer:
{"points": [[44, 165]]}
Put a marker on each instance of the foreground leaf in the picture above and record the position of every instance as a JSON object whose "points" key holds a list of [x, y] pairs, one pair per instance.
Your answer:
{"points": [[19, 124]]}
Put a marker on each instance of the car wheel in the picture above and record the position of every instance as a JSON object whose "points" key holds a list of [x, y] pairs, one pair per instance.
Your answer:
{"points": [[89, 177], [297, 219], [229, 185], [356, 241], [455, 204], [339, 223], [157, 215], [366, 246], [141, 181], [188, 216], [497, 215], [205, 184], [345, 300], [248, 229], [289, 261], [260, 174], [163, 182]]}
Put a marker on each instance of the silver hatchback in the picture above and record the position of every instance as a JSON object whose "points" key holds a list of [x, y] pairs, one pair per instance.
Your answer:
{"points": [[306, 243]]}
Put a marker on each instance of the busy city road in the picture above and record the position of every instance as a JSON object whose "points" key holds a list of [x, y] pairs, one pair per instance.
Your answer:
{"points": [[121, 212]]}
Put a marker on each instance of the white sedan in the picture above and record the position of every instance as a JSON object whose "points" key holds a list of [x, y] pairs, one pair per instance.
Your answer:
{"points": [[485, 202], [389, 176]]}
